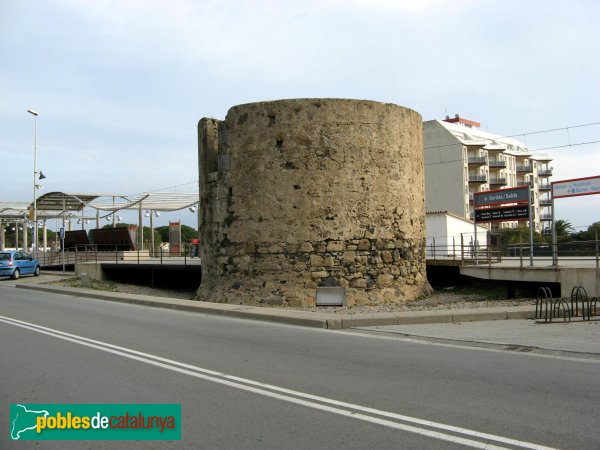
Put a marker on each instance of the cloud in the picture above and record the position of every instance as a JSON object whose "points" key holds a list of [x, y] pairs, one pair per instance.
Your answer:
{"points": [[413, 6], [272, 40]]}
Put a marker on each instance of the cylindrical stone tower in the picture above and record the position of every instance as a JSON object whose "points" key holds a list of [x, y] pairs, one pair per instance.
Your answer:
{"points": [[309, 193]]}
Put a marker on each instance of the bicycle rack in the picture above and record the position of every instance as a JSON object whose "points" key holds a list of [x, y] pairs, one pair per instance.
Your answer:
{"points": [[550, 307], [543, 296], [588, 305]]}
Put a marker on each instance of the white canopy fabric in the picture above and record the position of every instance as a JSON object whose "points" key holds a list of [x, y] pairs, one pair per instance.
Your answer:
{"points": [[155, 201], [54, 204]]}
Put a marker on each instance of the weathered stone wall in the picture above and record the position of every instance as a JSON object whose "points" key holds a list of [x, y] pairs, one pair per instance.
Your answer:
{"points": [[297, 194]]}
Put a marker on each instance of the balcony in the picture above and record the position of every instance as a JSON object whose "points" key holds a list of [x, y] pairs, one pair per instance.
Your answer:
{"points": [[545, 187], [524, 183], [497, 164], [545, 216], [526, 168], [498, 181], [477, 178], [477, 160], [545, 202], [545, 172]]}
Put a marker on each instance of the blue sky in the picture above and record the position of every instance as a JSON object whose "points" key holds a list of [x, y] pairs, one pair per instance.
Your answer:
{"points": [[121, 85]]}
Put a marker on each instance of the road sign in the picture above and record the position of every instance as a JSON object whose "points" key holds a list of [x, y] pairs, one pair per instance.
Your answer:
{"points": [[61, 234], [520, 212], [576, 187], [513, 195], [517, 206]]}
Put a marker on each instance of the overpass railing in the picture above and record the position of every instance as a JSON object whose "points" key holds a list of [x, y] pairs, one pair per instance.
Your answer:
{"points": [[462, 248], [185, 254]]}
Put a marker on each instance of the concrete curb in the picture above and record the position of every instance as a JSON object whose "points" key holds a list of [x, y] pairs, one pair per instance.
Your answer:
{"points": [[302, 318]]}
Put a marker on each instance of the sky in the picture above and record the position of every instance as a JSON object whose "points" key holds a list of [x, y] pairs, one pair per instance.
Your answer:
{"points": [[120, 85]]}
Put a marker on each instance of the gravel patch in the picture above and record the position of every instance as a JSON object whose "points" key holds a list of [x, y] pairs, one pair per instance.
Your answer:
{"points": [[125, 288], [436, 301], [439, 300]]}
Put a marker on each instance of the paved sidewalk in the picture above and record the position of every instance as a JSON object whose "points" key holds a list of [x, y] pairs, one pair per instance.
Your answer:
{"points": [[575, 336]]}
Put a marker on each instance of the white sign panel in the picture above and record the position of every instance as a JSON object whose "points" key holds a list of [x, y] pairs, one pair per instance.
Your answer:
{"points": [[573, 188]]}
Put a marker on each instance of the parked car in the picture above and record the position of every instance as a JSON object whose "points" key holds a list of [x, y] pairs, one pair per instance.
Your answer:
{"points": [[14, 263]]}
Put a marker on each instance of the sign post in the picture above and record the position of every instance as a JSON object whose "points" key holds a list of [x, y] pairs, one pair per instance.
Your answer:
{"points": [[62, 246], [530, 230], [570, 188], [504, 205]]}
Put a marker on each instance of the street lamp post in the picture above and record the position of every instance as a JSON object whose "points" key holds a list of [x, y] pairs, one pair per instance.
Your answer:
{"points": [[35, 231]]}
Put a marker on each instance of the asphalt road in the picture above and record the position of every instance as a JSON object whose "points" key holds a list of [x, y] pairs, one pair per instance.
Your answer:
{"points": [[254, 385]]}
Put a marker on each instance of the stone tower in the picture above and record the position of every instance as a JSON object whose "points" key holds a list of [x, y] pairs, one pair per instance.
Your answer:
{"points": [[308, 193]]}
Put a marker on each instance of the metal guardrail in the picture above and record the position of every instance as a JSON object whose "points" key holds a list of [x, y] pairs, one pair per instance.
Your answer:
{"points": [[497, 163], [466, 253], [477, 178], [187, 254], [477, 160], [485, 252]]}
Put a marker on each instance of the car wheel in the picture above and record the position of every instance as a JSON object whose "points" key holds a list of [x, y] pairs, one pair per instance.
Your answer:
{"points": [[36, 272], [16, 274]]}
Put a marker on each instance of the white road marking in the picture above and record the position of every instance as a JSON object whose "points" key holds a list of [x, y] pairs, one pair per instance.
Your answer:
{"points": [[357, 332], [300, 398]]}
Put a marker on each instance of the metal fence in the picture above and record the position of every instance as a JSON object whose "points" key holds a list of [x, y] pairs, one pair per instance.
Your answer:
{"points": [[464, 248], [186, 254]]}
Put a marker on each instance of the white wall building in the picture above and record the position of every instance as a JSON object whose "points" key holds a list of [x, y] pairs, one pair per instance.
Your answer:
{"points": [[460, 160], [451, 236]]}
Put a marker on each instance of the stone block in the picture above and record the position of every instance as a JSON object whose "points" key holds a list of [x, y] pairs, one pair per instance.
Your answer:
{"points": [[306, 247], [335, 246], [384, 280], [360, 283], [364, 244], [387, 257], [319, 274], [316, 261]]}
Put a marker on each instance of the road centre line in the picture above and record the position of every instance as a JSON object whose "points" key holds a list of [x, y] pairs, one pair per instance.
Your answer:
{"points": [[299, 398]]}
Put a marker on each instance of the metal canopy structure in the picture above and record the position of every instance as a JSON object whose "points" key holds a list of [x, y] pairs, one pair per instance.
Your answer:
{"points": [[62, 201], [13, 210], [54, 204], [155, 201]]}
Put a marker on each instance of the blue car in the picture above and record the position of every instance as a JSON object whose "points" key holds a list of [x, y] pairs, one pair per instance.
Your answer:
{"points": [[14, 263]]}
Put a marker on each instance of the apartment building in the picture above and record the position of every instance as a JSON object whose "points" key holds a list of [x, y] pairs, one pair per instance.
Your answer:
{"points": [[461, 160]]}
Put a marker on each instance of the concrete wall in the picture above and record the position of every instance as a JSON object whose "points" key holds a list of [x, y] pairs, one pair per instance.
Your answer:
{"points": [[567, 277], [300, 194], [445, 170], [94, 271]]}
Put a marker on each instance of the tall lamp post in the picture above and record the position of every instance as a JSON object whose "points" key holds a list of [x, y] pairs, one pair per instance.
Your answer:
{"points": [[35, 230]]}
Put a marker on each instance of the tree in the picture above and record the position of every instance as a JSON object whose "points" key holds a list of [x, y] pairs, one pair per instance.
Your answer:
{"points": [[161, 234], [588, 235], [511, 236], [563, 229], [187, 233]]}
